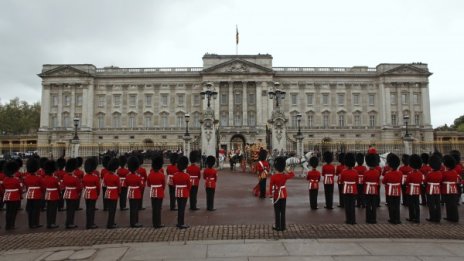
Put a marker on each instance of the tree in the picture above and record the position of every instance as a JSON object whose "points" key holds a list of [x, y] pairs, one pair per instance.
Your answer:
{"points": [[19, 117], [458, 122]]}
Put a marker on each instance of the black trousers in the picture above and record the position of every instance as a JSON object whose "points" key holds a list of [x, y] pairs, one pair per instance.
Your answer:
{"points": [[433, 202], [52, 207], [134, 205], [452, 213], [371, 209], [142, 190], [405, 196], [414, 209], [328, 191], [393, 203], [111, 204], [423, 195], [156, 204], [33, 207], [377, 199], [279, 214], [313, 198], [90, 212], [104, 200], [262, 188], [11, 211], [61, 201], [210, 198], [71, 206], [1, 202], [458, 196], [123, 198], [341, 200], [172, 197], [350, 213], [181, 202], [193, 197], [360, 198]]}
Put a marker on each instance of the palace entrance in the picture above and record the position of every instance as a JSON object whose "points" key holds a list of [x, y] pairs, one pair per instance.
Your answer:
{"points": [[237, 142]]}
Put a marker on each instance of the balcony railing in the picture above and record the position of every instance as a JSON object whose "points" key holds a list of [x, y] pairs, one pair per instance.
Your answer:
{"points": [[116, 70]]}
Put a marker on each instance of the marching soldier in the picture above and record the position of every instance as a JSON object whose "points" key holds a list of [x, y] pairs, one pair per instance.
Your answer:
{"points": [[349, 179], [433, 180], [52, 192], [142, 172], [91, 184], [392, 181], [134, 193], [449, 189], [170, 171], [195, 174], [328, 172], [210, 176], [103, 172], [113, 189], [122, 173], [371, 188], [361, 169], [413, 182], [72, 186], [313, 177], [2, 189], [60, 173], [262, 169], [79, 175], [279, 192], [182, 184], [34, 188], [157, 184], [338, 171], [12, 196], [459, 169], [425, 170], [405, 169]]}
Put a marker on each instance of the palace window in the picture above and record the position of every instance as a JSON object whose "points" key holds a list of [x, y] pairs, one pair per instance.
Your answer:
{"points": [[310, 99], [325, 99], [164, 120], [372, 120], [53, 121], [371, 98], [55, 100], [67, 100], [404, 98], [294, 97], [310, 121], [223, 98], [341, 120], [416, 98], [224, 118], [417, 119], [238, 119], [251, 119], [394, 119], [132, 120], [356, 99], [164, 99], [196, 100], [132, 100], [180, 100], [79, 100], [196, 120], [341, 99], [293, 120], [117, 120], [66, 120], [238, 98], [393, 98], [325, 121], [147, 121], [357, 120], [117, 100], [148, 100], [101, 101], [180, 120], [251, 98], [101, 121]]}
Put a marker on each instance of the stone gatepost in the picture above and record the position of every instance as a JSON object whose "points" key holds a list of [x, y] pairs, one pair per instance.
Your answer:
{"points": [[208, 133]]}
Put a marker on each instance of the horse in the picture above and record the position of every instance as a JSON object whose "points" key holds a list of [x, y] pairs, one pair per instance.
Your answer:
{"points": [[221, 159]]}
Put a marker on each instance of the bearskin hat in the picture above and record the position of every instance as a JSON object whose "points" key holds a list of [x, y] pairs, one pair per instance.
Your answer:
{"points": [[105, 161], [405, 159], [133, 164], [182, 163], [80, 161], [173, 158], [90, 165], [194, 156], [415, 161], [341, 158], [122, 161], [393, 161], [328, 157], [314, 161], [2, 163], [456, 155], [19, 163], [32, 165], [210, 161], [439, 154], [360, 159], [350, 160], [157, 162], [60, 163], [71, 165], [113, 165], [449, 162], [262, 155], [10, 168], [279, 164], [435, 162], [425, 158], [49, 167], [372, 160], [42, 161]]}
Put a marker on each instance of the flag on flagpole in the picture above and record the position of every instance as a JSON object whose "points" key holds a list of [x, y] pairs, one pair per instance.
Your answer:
{"points": [[236, 35]]}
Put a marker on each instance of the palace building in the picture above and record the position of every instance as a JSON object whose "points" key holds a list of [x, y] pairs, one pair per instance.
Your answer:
{"points": [[120, 106]]}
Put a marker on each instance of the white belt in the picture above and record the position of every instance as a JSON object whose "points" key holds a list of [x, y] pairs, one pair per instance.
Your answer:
{"points": [[133, 187], [327, 176], [34, 188], [156, 186], [349, 183], [70, 188], [278, 194], [170, 176], [431, 187], [448, 185], [193, 177], [181, 186], [111, 188], [390, 187], [91, 187], [122, 178], [369, 185], [411, 187], [11, 190], [51, 189]]}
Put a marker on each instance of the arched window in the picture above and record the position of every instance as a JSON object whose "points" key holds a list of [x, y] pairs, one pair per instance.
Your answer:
{"points": [[196, 120], [66, 120], [164, 120], [180, 120], [251, 119], [101, 121], [238, 119], [147, 120], [116, 120], [224, 118], [132, 120]]}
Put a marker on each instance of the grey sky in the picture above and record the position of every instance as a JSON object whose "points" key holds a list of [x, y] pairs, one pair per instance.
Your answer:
{"points": [[177, 33]]}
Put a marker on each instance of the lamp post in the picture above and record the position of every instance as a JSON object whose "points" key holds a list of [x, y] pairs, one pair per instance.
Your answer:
{"points": [[406, 121], [407, 139], [187, 119], [276, 93], [298, 123], [299, 137], [208, 93], [187, 137], [76, 124], [75, 140], [278, 120], [208, 131]]}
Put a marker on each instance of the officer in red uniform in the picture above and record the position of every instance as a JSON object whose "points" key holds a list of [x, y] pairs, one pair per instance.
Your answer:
{"points": [[405, 169], [349, 179], [52, 192], [338, 171], [433, 179], [59, 173], [371, 187], [459, 169], [313, 177], [425, 169], [91, 185], [262, 169], [113, 189], [413, 182], [12, 196], [34, 188], [142, 172], [156, 182], [210, 176], [328, 173], [72, 186], [79, 175], [279, 192], [103, 172], [392, 181], [182, 184], [449, 189], [134, 193], [122, 173], [170, 171], [361, 169], [195, 174]]}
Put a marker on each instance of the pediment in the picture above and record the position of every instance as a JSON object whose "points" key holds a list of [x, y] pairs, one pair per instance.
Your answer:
{"points": [[238, 66], [64, 71], [407, 70]]}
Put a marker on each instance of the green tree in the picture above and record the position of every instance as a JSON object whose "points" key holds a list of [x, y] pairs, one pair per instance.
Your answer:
{"points": [[19, 117], [458, 122]]}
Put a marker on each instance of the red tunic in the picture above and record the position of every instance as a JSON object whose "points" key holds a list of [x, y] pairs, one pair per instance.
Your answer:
{"points": [[360, 169], [262, 166], [392, 181], [122, 173], [313, 176], [433, 180], [413, 182], [134, 183], [349, 179], [60, 174], [371, 182], [12, 189], [157, 184], [34, 186], [181, 181], [210, 176], [449, 183], [79, 174], [195, 174], [425, 169], [338, 171], [142, 172], [171, 170], [386, 169], [112, 186], [328, 171], [277, 185], [2, 189], [72, 187], [91, 185], [52, 188], [405, 169]]}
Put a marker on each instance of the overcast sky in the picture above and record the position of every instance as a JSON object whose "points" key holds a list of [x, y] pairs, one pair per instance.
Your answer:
{"points": [[178, 33]]}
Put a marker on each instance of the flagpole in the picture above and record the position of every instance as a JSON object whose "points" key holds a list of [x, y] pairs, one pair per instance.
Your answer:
{"points": [[236, 39]]}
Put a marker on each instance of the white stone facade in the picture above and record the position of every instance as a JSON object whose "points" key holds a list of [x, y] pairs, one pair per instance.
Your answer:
{"points": [[121, 106]]}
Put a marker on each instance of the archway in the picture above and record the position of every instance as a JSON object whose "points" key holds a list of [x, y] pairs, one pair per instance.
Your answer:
{"points": [[237, 142]]}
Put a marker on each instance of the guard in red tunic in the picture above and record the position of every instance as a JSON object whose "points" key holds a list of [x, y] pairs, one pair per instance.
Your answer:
{"points": [[405, 169], [449, 189], [182, 184], [361, 169], [113, 189], [338, 171], [328, 173], [210, 176], [371, 187], [413, 182], [349, 179], [313, 177], [72, 187], [2, 177], [433, 180], [60, 173], [142, 172], [195, 174], [12, 196], [52, 192], [34, 188], [170, 171], [156, 182], [122, 173], [459, 169], [262, 170], [79, 175], [279, 192], [425, 169], [103, 172], [134, 193], [91, 185], [392, 181]]}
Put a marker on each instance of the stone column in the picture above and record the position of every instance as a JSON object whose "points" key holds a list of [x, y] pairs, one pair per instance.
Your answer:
{"points": [[299, 145], [426, 121], [187, 140], [260, 120], [245, 104], [407, 141], [75, 148], [384, 106], [45, 108], [279, 130], [208, 133], [216, 86], [59, 114], [231, 103]]}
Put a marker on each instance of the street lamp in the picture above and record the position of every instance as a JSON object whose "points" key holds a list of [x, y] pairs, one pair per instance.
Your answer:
{"points": [[406, 121], [209, 93], [76, 123], [277, 93], [187, 119], [298, 123]]}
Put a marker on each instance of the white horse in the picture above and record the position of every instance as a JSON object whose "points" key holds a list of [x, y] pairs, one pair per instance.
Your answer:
{"points": [[294, 162], [383, 159], [221, 160]]}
